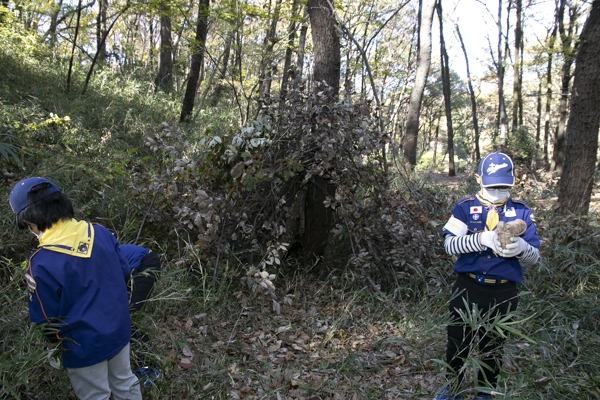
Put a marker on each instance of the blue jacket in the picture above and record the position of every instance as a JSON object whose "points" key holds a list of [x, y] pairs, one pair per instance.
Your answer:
{"points": [[469, 217], [76, 279]]}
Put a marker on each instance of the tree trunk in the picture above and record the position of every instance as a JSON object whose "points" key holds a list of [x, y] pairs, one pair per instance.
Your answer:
{"points": [[447, 93], [164, 76], [517, 106], [287, 63], [95, 59], [473, 100], [301, 47], [538, 121], [416, 96], [502, 117], [548, 110], [319, 219], [54, 13], [326, 44], [569, 49], [68, 88], [216, 95], [575, 188], [265, 69], [197, 61], [101, 31]]}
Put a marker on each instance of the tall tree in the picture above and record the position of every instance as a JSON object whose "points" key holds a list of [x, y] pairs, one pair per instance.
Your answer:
{"points": [[319, 219], [56, 8], [101, 46], [576, 183], [472, 97], [416, 97], [72, 58], [221, 85], [302, 46], [548, 109], [197, 61], [164, 76], [447, 93], [266, 62], [517, 100], [500, 70], [288, 52], [101, 31], [569, 50]]}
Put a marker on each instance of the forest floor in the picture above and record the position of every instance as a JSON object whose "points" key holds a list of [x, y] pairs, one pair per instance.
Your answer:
{"points": [[320, 341]]}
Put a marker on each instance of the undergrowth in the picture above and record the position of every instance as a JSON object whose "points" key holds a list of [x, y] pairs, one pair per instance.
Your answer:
{"points": [[233, 315]]}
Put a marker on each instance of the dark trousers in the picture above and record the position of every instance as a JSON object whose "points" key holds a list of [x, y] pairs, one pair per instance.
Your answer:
{"points": [[494, 301], [142, 281]]}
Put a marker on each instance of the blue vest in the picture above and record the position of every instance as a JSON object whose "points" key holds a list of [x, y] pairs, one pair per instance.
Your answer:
{"points": [[470, 211]]}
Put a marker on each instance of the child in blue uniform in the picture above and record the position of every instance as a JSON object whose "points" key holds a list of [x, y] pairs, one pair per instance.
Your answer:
{"points": [[487, 274], [77, 286]]}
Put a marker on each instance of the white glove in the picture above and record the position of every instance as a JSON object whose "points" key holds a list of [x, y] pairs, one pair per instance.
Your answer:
{"points": [[515, 248], [490, 240]]}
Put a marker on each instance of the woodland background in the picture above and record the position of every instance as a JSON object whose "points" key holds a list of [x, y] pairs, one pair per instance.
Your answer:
{"points": [[294, 163]]}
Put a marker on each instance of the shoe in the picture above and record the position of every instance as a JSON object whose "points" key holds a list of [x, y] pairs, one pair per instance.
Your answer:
{"points": [[147, 375], [445, 394], [482, 396]]}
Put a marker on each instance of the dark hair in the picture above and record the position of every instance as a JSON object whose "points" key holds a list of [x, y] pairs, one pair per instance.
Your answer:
{"points": [[45, 211]]}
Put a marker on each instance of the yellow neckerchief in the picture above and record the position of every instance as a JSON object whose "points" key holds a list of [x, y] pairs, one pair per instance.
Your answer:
{"points": [[72, 237], [492, 216]]}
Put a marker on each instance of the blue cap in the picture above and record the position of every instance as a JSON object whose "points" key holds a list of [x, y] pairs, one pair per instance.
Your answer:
{"points": [[18, 194], [496, 169]]}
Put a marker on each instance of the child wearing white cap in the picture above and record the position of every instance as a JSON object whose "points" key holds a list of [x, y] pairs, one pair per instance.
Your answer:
{"points": [[487, 273]]}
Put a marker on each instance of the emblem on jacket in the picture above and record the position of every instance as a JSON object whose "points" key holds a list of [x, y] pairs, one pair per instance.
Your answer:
{"points": [[83, 248]]}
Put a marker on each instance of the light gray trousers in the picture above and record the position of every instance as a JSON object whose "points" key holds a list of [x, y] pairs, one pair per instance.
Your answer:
{"points": [[98, 381]]}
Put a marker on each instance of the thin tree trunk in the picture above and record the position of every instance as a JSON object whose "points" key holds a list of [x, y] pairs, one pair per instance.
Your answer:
{"points": [[435, 142], [517, 91], [301, 46], [223, 70], [502, 117], [197, 61], [56, 9], [164, 76], [473, 99], [447, 93], [575, 188], [548, 110], [101, 31], [265, 71], [73, 47], [95, 59], [538, 121], [288, 55], [416, 96]]}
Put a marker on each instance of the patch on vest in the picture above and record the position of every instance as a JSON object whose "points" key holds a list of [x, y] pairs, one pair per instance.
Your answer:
{"points": [[31, 283], [83, 248]]}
